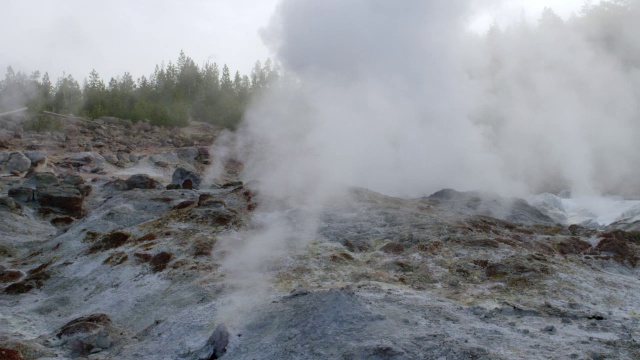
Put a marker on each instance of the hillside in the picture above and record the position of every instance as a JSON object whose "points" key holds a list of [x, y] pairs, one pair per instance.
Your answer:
{"points": [[108, 252]]}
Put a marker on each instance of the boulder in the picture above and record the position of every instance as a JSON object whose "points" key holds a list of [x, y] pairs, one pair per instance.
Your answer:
{"points": [[186, 179], [72, 179], [21, 193], [36, 157], [18, 163], [216, 345], [111, 159], [123, 157], [141, 181], [87, 334], [63, 197], [41, 179], [85, 159]]}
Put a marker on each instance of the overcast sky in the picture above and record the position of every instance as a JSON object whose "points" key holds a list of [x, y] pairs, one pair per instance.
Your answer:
{"points": [[115, 36]]}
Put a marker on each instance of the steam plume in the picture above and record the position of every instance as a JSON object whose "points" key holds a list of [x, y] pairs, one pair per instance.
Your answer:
{"points": [[400, 98]]}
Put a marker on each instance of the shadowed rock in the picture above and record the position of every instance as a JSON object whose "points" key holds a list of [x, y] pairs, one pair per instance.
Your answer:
{"points": [[86, 334], [141, 181], [186, 179], [216, 344], [84, 324], [63, 197], [23, 194], [41, 179]]}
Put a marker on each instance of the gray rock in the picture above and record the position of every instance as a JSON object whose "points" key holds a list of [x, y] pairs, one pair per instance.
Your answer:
{"points": [[41, 179], [122, 157], [23, 194], [216, 344], [550, 329], [63, 197], [111, 159], [18, 162], [86, 158], [72, 179], [186, 179], [36, 157], [141, 181], [86, 335]]}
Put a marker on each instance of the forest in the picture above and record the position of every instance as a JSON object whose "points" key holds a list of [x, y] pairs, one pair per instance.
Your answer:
{"points": [[174, 93]]}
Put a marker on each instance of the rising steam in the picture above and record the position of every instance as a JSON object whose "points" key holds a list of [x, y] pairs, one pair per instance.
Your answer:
{"points": [[398, 97], [402, 99]]}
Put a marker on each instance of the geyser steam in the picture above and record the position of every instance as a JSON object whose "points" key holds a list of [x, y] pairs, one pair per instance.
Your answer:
{"points": [[398, 97]]}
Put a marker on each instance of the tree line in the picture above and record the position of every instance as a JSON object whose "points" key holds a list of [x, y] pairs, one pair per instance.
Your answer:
{"points": [[173, 94]]}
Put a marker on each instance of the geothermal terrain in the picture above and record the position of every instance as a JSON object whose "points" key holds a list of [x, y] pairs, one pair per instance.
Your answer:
{"points": [[115, 244]]}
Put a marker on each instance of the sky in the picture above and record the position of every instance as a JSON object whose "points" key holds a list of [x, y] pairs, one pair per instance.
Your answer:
{"points": [[76, 36]]}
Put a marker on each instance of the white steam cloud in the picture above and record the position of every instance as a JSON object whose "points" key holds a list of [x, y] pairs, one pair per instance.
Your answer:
{"points": [[400, 98]]}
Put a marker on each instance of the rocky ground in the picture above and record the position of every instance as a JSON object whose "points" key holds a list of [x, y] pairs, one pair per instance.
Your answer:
{"points": [[114, 246]]}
